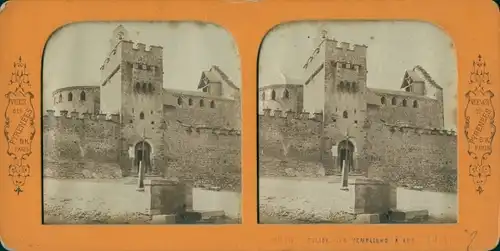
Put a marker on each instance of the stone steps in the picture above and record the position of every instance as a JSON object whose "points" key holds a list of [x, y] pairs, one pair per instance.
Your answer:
{"points": [[394, 217]]}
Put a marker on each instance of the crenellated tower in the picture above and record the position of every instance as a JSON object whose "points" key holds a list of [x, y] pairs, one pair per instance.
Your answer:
{"points": [[336, 86], [132, 86]]}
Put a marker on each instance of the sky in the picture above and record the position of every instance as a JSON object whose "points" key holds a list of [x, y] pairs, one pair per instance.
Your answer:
{"points": [[75, 53], [393, 47]]}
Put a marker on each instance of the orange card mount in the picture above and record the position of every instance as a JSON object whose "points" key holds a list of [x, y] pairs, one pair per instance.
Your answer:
{"points": [[249, 125]]}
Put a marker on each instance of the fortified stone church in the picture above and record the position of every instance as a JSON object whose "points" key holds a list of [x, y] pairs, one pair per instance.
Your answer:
{"points": [[333, 117], [130, 117]]}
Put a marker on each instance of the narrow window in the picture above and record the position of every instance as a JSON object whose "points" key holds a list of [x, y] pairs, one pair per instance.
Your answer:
{"points": [[345, 115], [212, 104], [141, 116], [190, 101], [341, 85], [347, 86], [263, 96], [382, 100], [60, 98], [137, 87], [273, 95], [144, 87], [179, 101], [70, 96], [394, 102], [405, 103], [286, 94], [415, 104], [82, 96], [150, 87], [202, 103]]}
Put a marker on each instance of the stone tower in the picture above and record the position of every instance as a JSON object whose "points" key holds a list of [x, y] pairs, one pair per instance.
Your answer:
{"points": [[132, 85], [345, 86], [336, 86]]}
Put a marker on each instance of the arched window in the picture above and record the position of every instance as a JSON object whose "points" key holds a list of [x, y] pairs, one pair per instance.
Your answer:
{"points": [[345, 115], [137, 87], [354, 86], [382, 100], [179, 101], [141, 116], [60, 98], [286, 94], [341, 85], [348, 86], [405, 103], [212, 104], [70, 96], [273, 95], [202, 103], [82, 96], [144, 87], [415, 104], [394, 101], [150, 87], [190, 101], [263, 96]]}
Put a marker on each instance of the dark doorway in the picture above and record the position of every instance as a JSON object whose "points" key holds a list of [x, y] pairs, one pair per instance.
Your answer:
{"points": [[346, 155], [143, 152]]}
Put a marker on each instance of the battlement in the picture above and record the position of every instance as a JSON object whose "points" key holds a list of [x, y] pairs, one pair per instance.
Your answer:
{"points": [[356, 50], [201, 129], [419, 130], [50, 114], [279, 114], [143, 48]]}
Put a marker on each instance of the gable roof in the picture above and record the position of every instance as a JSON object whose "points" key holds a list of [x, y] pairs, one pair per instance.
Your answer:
{"points": [[215, 75], [210, 76], [427, 76]]}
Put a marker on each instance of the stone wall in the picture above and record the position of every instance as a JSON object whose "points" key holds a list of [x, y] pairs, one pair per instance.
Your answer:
{"points": [[412, 157], [80, 146], [209, 157], [275, 167], [77, 99], [290, 135], [411, 109]]}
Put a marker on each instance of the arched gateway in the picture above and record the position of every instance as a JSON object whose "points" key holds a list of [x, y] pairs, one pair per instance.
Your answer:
{"points": [[346, 155], [142, 153]]}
